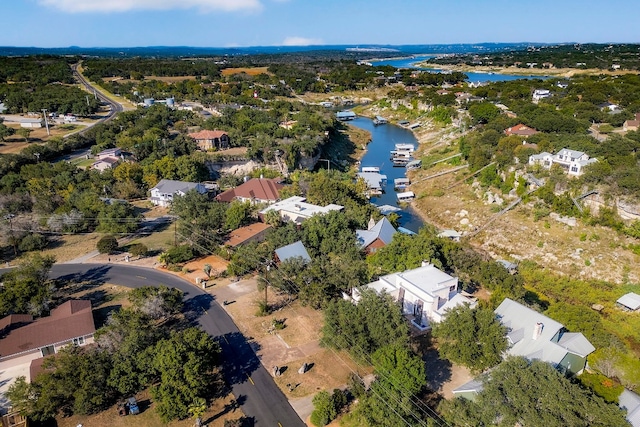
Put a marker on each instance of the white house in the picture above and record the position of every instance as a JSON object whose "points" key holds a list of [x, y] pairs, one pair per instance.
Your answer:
{"points": [[539, 94], [164, 192], [571, 160], [295, 209], [425, 293], [535, 336]]}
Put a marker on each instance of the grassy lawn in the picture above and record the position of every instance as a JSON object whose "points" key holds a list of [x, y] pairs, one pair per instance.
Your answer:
{"points": [[158, 241]]}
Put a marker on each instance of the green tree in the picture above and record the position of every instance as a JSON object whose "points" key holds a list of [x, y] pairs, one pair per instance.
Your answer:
{"points": [[24, 132], [5, 131], [531, 393], [107, 244], [376, 321], [472, 337], [324, 410], [392, 398], [184, 365], [139, 250], [237, 214], [26, 289]]}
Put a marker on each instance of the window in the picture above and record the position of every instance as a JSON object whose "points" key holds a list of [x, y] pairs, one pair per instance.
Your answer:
{"points": [[48, 350], [78, 341], [574, 169]]}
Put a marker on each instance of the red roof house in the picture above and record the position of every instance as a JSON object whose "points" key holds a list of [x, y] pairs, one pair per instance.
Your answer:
{"points": [[520, 130], [256, 190]]}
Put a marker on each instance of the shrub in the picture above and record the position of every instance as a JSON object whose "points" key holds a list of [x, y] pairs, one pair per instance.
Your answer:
{"points": [[177, 254], [33, 242], [107, 245], [138, 249], [324, 411]]}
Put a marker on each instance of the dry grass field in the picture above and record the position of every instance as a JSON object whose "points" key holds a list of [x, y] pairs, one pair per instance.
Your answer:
{"points": [[253, 71]]}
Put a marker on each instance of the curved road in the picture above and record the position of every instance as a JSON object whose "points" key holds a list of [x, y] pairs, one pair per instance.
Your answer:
{"points": [[252, 385]]}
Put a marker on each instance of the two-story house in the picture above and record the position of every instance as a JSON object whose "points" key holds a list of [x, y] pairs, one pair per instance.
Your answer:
{"points": [[572, 161], [424, 293], [211, 139], [165, 191]]}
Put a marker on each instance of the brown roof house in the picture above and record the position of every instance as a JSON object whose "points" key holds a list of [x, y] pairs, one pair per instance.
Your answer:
{"points": [[24, 339], [255, 190], [211, 139], [520, 130], [631, 125], [250, 233]]}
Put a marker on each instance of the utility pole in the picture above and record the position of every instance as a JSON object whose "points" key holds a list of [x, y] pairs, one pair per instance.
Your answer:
{"points": [[266, 286], [46, 122]]}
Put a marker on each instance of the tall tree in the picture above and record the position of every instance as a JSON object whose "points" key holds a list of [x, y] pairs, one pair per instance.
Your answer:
{"points": [[532, 393], [472, 337]]}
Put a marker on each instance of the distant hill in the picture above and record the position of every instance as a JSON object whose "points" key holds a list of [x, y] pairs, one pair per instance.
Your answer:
{"points": [[189, 51]]}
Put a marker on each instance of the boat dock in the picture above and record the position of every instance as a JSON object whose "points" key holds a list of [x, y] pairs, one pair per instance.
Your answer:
{"points": [[379, 120], [406, 196], [401, 183]]}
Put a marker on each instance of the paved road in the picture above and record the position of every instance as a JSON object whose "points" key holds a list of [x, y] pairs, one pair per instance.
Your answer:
{"points": [[252, 385]]}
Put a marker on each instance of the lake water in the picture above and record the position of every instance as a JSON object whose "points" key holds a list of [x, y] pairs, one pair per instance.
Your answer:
{"points": [[473, 77], [383, 140]]}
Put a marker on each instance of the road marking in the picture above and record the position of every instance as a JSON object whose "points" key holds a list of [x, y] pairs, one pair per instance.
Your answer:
{"points": [[141, 277], [279, 425], [250, 379]]}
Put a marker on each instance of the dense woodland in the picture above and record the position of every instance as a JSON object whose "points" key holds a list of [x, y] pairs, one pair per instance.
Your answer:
{"points": [[580, 56], [146, 345]]}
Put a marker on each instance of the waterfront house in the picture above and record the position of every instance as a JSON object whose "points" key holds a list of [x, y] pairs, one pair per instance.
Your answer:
{"points": [[424, 293], [165, 191], [211, 139], [377, 235], [255, 190], [296, 210], [375, 181], [535, 336], [572, 161], [539, 94]]}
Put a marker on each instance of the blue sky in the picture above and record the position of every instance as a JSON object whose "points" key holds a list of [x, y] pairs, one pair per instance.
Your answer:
{"points": [[227, 23]]}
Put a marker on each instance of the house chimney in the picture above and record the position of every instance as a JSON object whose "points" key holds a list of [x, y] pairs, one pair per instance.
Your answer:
{"points": [[425, 263], [537, 330], [261, 176], [372, 223]]}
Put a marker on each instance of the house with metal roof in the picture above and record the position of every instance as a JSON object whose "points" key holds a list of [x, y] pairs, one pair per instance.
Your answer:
{"points": [[630, 402], [164, 192], [535, 336], [255, 190], [295, 209], [424, 293], [25, 338], [294, 250], [572, 161], [377, 235], [629, 302]]}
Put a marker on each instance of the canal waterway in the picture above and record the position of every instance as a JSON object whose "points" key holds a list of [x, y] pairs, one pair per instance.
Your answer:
{"points": [[472, 77], [383, 140]]}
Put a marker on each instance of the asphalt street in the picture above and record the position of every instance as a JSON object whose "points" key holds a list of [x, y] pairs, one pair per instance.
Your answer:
{"points": [[253, 387]]}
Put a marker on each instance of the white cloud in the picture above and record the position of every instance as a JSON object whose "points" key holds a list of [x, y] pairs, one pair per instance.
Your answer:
{"points": [[300, 41], [79, 6]]}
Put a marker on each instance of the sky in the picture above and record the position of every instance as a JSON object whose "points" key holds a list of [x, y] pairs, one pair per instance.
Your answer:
{"points": [[235, 23]]}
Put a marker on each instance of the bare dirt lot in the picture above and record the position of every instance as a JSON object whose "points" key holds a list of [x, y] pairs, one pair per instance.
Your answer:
{"points": [[253, 71]]}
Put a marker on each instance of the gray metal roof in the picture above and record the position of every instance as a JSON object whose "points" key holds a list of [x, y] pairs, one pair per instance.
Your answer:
{"points": [[631, 402], [294, 250], [168, 186], [382, 230], [550, 345], [630, 300]]}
